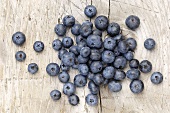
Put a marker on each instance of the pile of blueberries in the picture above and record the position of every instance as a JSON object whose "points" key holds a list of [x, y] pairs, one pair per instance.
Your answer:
{"points": [[102, 62]]}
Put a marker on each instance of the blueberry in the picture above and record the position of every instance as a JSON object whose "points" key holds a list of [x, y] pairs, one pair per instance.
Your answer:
{"points": [[116, 51], [96, 67], [85, 52], [101, 22], [87, 22], [32, 68], [68, 20], [133, 74], [38, 46], [61, 52], [120, 62], [134, 63], [123, 47], [94, 89], [73, 100], [136, 86], [67, 42], [129, 55], [109, 72], [75, 29], [113, 29], [82, 60], [91, 100], [20, 56], [80, 80], [145, 66], [114, 86], [64, 67], [85, 30], [109, 43], [119, 75], [69, 88], [118, 38], [73, 49], [90, 76], [52, 69], [131, 43], [94, 41], [106, 81], [64, 77], [156, 78], [55, 94], [98, 79], [68, 58], [18, 38], [95, 55], [132, 22], [79, 38], [108, 56], [97, 32], [80, 45], [90, 11], [76, 64], [60, 29], [83, 69], [57, 45], [149, 44]]}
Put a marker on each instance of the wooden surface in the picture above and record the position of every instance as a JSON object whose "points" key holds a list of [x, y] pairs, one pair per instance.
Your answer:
{"points": [[21, 92]]}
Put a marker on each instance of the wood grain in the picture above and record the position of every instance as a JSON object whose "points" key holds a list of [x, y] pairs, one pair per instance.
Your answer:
{"points": [[22, 92]]}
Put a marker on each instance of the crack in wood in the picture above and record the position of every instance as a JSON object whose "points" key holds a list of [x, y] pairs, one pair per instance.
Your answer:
{"points": [[109, 10]]}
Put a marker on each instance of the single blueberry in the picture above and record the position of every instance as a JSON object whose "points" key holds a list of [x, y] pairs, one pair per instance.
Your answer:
{"points": [[108, 56], [32, 68], [85, 30], [136, 86], [120, 62], [98, 79], [149, 44], [101, 22], [97, 32], [91, 100], [80, 80], [18, 38], [129, 55], [73, 100], [96, 67], [109, 43], [68, 20], [87, 22], [114, 86], [116, 52], [61, 52], [94, 89], [60, 29], [82, 60], [133, 74], [64, 77], [123, 47], [90, 76], [73, 49], [134, 63], [75, 29], [52, 69], [68, 58], [145, 66], [20, 56], [94, 41], [95, 55], [64, 67], [119, 75], [79, 38], [131, 43], [90, 11], [113, 29], [76, 64], [132, 22], [67, 42], [156, 78], [57, 45], [109, 72], [83, 69], [69, 88], [85, 52], [55, 94], [38, 46]]}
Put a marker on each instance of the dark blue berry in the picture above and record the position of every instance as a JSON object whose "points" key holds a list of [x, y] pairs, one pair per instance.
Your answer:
{"points": [[52, 69], [113, 29], [95, 55], [116, 51], [32, 68], [85, 52], [109, 72], [94, 41], [20, 56], [82, 60], [85, 30], [79, 38], [75, 29], [80, 45], [80, 80], [114, 86], [64, 77], [69, 88], [136, 86], [101, 22], [38, 46], [134, 63], [98, 79], [94, 89], [90, 76], [60, 29], [149, 44], [119, 75], [67, 42], [97, 32], [106, 81], [73, 100], [156, 78], [55, 94], [96, 67], [68, 20], [61, 52], [64, 67], [73, 49], [108, 56], [132, 22], [87, 22], [131, 43], [129, 55], [57, 45], [18, 38], [83, 69], [68, 58], [109, 43], [123, 47], [133, 74], [120, 62], [145, 66], [91, 100], [90, 11]]}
